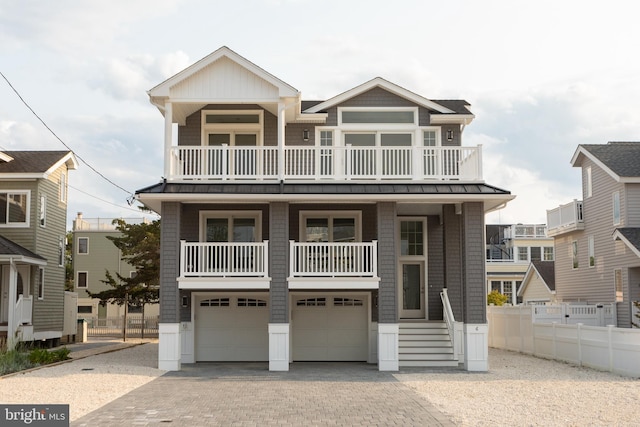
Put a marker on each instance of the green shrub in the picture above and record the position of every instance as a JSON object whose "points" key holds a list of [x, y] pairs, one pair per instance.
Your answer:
{"points": [[14, 361], [496, 298], [41, 356]]}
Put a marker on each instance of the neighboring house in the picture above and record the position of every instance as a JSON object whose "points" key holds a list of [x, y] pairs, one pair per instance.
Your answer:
{"points": [[33, 217], [510, 248], [539, 283], [93, 255], [596, 239], [317, 230]]}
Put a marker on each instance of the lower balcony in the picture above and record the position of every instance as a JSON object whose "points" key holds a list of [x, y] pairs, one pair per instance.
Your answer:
{"points": [[317, 265]]}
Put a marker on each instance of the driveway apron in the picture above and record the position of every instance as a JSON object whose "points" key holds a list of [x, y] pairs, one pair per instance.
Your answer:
{"points": [[247, 394]]}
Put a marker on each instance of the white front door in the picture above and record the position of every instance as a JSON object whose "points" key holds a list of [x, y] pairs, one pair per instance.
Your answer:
{"points": [[412, 261]]}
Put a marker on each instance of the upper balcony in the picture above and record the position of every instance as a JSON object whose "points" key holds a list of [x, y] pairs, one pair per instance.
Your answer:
{"points": [[526, 231], [262, 163], [565, 218]]}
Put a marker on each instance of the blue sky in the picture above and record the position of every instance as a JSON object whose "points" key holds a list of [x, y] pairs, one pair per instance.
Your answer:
{"points": [[542, 77]]}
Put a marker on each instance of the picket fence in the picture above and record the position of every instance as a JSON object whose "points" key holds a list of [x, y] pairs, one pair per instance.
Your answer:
{"points": [[605, 348]]}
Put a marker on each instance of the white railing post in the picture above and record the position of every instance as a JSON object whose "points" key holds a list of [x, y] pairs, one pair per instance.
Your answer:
{"points": [[293, 260], [347, 162], [479, 162], [374, 258], [183, 254], [265, 258], [226, 160]]}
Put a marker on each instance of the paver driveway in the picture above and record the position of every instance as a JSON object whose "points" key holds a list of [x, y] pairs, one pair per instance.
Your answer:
{"points": [[248, 394]]}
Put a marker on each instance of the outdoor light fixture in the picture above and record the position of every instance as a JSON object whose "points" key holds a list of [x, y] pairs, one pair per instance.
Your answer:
{"points": [[185, 301], [450, 135], [305, 134]]}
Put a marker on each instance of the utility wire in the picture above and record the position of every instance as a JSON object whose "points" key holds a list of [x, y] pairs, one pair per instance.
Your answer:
{"points": [[63, 143], [105, 201]]}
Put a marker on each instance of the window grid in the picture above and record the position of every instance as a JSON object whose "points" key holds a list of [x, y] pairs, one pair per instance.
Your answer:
{"points": [[347, 302], [251, 302], [411, 238], [215, 302], [311, 302]]}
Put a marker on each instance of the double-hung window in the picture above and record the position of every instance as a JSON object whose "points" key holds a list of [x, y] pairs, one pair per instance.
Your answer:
{"points": [[616, 208]]}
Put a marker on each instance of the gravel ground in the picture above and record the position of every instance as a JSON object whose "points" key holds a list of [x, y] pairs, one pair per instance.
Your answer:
{"points": [[518, 390], [521, 390], [85, 384]]}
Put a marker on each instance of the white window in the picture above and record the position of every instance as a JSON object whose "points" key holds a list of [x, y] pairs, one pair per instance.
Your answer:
{"points": [[429, 138], [83, 245], [589, 189], [61, 245], [592, 252], [523, 253], [617, 277], [378, 116], [616, 208], [43, 211], [40, 283], [63, 187], [239, 226], [330, 227], [548, 253], [505, 287], [232, 128], [14, 209], [82, 279], [574, 253]]}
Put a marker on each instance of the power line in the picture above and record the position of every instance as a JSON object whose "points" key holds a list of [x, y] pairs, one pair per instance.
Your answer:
{"points": [[104, 201], [59, 139]]}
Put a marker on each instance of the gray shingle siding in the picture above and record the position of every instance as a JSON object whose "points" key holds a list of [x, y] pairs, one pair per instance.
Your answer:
{"points": [[279, 262], [387, 294], [169, 262], [453, 259], [474, 299], [435, 266]]}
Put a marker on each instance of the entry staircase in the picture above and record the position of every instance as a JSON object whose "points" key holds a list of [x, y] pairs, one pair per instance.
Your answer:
{"points": [[426, 344]]}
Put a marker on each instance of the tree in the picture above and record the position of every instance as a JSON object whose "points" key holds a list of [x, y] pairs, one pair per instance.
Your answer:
{"points": [[496, 298], [68, 262], [140, 247]]}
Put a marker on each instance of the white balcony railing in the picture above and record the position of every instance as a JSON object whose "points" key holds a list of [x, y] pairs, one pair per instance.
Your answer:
{"points": [[24, 310], [317, 163], [565, 218], [224, 259], [325, 259], [526, 231]]}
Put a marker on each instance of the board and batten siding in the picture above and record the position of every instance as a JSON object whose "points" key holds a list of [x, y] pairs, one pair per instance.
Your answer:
{"points": [[595, 284]]}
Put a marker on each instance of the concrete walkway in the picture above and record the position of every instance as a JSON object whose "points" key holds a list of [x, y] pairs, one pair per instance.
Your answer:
{"points": [[248, 394]]}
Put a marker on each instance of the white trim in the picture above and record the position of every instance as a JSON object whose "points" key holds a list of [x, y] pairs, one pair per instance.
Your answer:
{"points": [[78, 242], [413, 259], [384, 84], [616, 195], [438, 119], [40, 283], [42, 211], [325, 283], [231, 128], [78, 281], [224, 283], [330, 215], [622, 179], [279, 338], [617, 235], [45, 335], [388, 338], [527, 279], [230, 215], [169, 346], [187, 340], [368, 126], [476, 347]]}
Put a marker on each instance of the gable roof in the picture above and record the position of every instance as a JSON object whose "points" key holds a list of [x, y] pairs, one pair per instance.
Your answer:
{"points": [[621, 160], [545, 270], [11, 250], [630, 236], [35, 164], [454, 108]]}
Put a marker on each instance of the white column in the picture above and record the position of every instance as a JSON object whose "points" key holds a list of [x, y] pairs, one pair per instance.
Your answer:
{"points": [[169, 346], [11, 305], [187, 347], [476, 347], [388, 359], [168, 137], [278, 346]]}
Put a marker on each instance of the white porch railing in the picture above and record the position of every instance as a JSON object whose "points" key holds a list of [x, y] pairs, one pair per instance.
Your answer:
{"points": [[24, 310], [220, 259], [455, 328], [316, 163], [565, 218], [326, 259]]}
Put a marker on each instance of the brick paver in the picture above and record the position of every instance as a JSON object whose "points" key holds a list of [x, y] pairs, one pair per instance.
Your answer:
{"points": [[247, 394]]}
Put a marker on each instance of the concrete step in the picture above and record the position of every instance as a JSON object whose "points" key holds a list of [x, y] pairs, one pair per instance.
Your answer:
{"points": [[429, 363], [422, 356], [425, 343], [426, 350]]}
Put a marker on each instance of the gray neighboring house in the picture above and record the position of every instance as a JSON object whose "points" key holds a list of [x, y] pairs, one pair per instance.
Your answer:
{"points": [[333, 230], [597, 240], [33, 217]]}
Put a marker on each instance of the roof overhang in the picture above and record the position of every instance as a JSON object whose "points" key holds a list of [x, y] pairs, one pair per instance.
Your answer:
{"points": [[618, 235], [23, 259], [581, 153]]}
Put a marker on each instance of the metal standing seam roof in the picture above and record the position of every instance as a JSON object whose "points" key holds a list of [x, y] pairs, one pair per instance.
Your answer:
{"points": [[623, 158], [324, 188]]}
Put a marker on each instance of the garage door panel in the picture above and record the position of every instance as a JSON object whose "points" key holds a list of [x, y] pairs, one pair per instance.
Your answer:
{"points": [[334, 331], [231, 333]]}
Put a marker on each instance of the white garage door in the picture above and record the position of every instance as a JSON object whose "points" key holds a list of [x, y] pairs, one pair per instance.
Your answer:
{"points": [[331, 328], [232, 328]]}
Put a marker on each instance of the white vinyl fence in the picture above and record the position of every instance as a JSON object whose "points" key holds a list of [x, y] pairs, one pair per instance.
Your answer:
{"points": [[605, 348]]}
